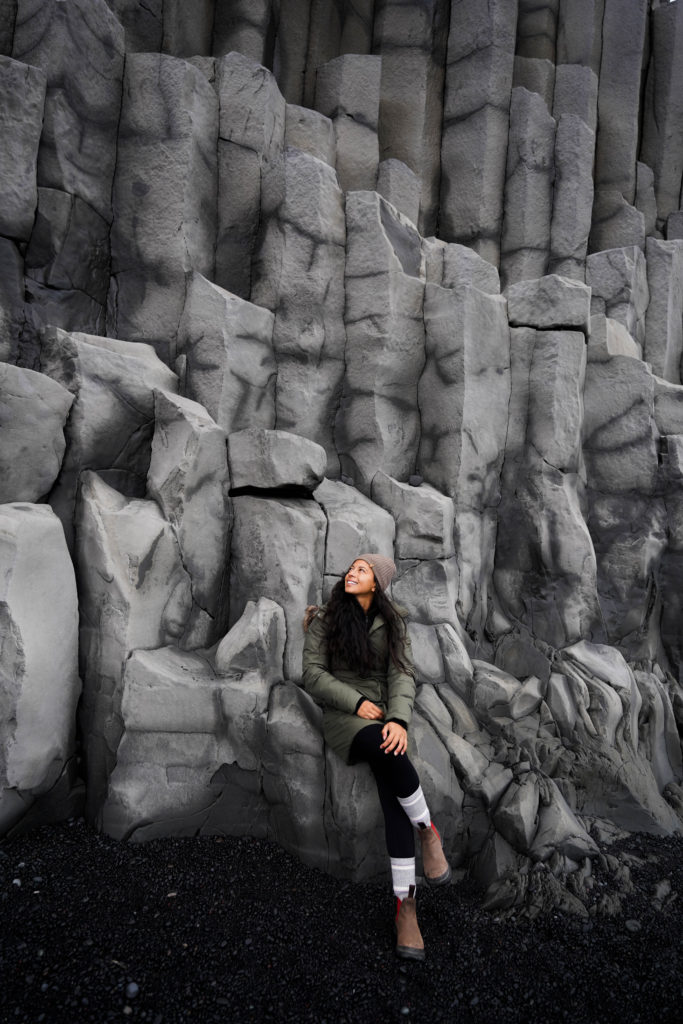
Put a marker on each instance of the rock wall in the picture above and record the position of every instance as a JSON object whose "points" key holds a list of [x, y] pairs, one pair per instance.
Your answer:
{"points": [[283, 282]]}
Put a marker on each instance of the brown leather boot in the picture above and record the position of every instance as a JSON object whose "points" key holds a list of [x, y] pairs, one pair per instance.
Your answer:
{"points": [[409, 944], [435, 867]]}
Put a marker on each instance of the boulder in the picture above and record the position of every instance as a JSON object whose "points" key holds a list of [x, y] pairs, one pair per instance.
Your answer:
{"points": [[80, 47], [548, 303], [189, 479], [424, 517], [256, 643], [112, 418], [39, 669], [22, 89], [33, 412], [187, 735], [354, 524], [560, 830], [227, 342], [428, 590], [269, 459]]}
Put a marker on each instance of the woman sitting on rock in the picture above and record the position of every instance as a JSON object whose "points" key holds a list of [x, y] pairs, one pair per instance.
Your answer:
{"points": [[357, 664]]}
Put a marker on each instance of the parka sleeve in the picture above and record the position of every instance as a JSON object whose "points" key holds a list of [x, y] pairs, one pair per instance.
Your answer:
{"points": [[401, 685], [325, 688]]}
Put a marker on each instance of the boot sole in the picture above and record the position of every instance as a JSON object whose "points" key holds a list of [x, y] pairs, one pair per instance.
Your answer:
{"points": [[410, 953]]}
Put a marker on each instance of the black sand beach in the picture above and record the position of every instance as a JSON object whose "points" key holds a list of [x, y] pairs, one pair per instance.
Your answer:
{"points": [[231, 930]]}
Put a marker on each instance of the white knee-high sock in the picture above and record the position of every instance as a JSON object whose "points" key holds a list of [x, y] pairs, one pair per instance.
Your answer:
{"points": [[416, 808], [402, 875]]}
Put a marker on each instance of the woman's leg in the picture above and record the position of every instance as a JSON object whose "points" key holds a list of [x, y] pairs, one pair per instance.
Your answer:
{"points": [[397, 779]]}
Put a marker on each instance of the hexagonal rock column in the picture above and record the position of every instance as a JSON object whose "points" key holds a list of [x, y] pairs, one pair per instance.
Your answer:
{"points": [[619, 288], [188, 477], [529, 177], [39, 668], [627, 517], [22, 89], [112, 418], [664, 318], [662, 144], [474, 142], [134, 592], [298, 273], [164, 197], [545, 570], [466, 377], [411, 39], [33, 411], [354, 524], [278, 549], [227, 343], [250, 156], [378, 421], [80, 46], [348, 91]]}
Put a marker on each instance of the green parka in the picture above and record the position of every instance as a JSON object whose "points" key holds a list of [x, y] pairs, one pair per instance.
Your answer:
{"points": [[392, 690]]}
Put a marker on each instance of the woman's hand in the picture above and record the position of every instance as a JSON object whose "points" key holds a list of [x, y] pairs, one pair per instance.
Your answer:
{"points": [[395, 738], [370, 711]]}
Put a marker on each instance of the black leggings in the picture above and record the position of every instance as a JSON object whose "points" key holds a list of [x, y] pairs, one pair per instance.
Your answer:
{"points": [[395, 776]]}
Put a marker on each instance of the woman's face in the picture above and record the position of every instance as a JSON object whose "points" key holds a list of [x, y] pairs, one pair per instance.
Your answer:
{"points": [[360, 579]]}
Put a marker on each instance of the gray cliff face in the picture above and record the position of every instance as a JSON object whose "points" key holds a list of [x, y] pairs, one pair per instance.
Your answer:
{"points": [[281, 283]]}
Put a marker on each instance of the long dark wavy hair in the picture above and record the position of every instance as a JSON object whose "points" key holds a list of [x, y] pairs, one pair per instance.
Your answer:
{"points": [[347, 633]]}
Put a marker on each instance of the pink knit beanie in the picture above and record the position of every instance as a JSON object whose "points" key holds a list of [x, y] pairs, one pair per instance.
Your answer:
{"points": [[383, 568]]}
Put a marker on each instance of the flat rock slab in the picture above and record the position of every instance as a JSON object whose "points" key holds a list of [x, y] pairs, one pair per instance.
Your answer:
{"points": [[269, 459], [549, 302]]}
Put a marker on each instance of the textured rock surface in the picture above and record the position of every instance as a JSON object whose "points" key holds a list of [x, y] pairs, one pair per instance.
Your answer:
{"points": [[33, 411], [266, 258], [39, 667], [112, 417]]}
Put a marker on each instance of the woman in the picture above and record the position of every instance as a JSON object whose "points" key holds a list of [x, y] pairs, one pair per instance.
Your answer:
{"points": [[357, 664]]}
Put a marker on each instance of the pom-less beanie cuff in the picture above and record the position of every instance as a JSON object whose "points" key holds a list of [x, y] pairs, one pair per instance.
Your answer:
{"points": [[383, 568]]}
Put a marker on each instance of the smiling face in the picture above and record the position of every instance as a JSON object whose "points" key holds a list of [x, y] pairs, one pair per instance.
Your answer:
{"points": [[360, 580]]}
